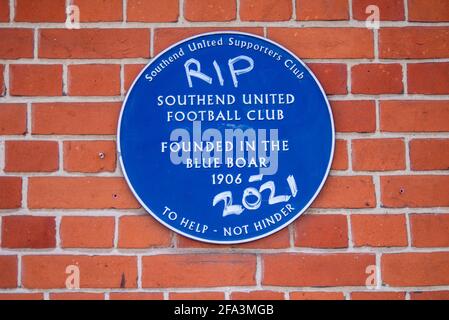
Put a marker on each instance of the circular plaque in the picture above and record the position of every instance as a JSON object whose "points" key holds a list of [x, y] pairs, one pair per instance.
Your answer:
{"points": [[226, 137]]}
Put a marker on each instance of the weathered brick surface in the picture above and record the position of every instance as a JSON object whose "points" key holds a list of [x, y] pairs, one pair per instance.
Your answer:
{"points": [[322, 10], [390, 10], [428, 10], [13, 119]]}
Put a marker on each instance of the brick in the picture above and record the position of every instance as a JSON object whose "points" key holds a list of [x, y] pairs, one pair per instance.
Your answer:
{"points": [[16, 43], [94, 80], [40, 11], [31, 156], [75, 118], [377, 78], [339, 42], [378, 296], [340, 161], [2, 81], [87, 232], [4, 10], [139, 232], [332, 76], [79, 193], [317, 270], [100, 10], [321, 231], [278, 240], [428, 78], [76, 296], [415, 191], [49, 271], [389, 10], [21, 296], [94, 43], [347, 192], [136, 296], [430, 295], [165, 37], [257, 295], [8, 276], [13, 119], [430, 230], [10, 192], [200, 270], [414, 43], [316, 296], [28, 232], [131, 73], [265, 10], [414, 116], [210, 10], [378, 154], [354, 116], [152, 11], [379, 230], [196, 296], [90, 156], [429, 154], [428, 10], [415, 269], [35, 80], [322, 10]]}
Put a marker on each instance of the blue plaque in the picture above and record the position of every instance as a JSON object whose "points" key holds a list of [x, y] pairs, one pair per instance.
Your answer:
{"points": [[226, 137]]}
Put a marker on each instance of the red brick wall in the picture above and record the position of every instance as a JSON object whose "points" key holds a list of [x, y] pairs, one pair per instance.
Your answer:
{"points": [[384, 209]]}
